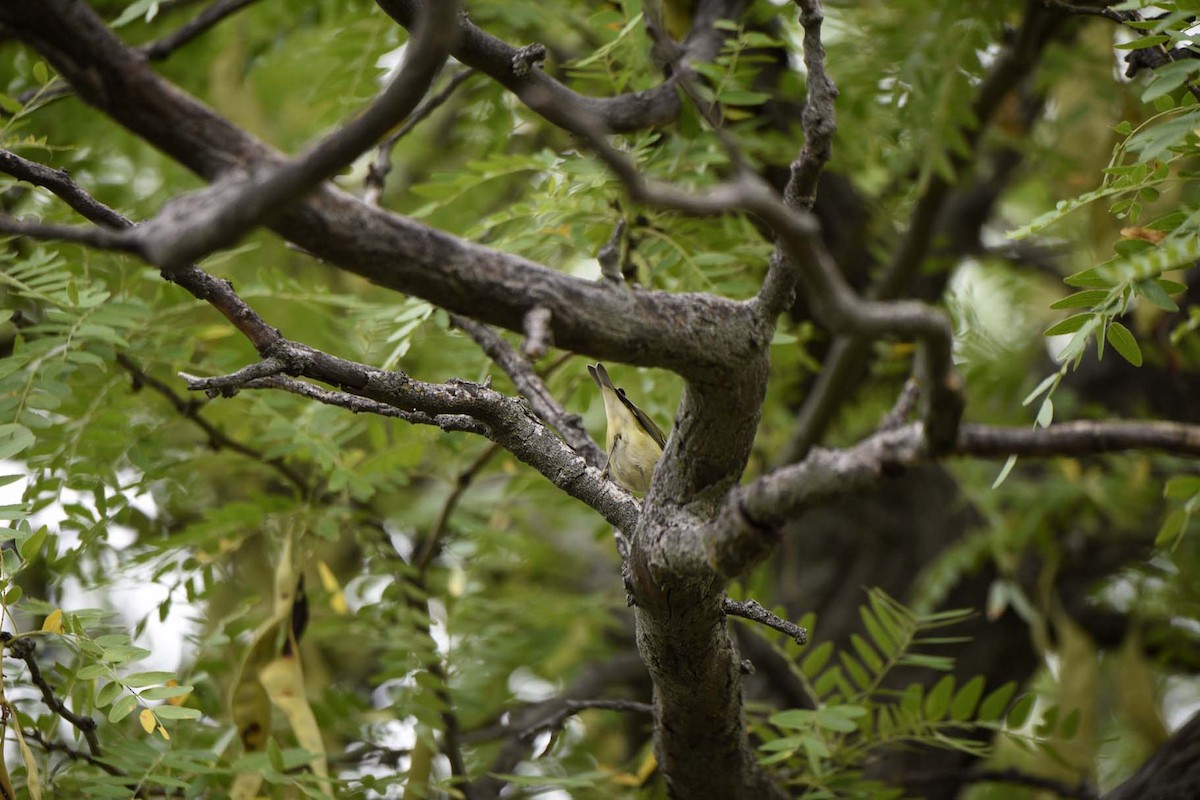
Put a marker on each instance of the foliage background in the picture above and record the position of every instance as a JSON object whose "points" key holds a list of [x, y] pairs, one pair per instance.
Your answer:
{"points": [[132, 489]]}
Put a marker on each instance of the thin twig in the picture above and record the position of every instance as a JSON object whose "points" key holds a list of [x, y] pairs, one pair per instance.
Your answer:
{"points": [[382, 165], [532, 387], [217, 439], [432, 544], [24, 650], [570, 708], [753, 611], [206, 19]]}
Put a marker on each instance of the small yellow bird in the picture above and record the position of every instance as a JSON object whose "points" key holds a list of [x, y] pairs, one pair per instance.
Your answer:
{"points": [[634, 442]]}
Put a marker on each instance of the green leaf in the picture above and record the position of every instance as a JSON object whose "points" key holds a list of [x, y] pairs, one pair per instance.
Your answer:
{"points": [[1007, 468], [840, 718], [139, 679], [1068, 325], [275, 755], [14, 439], [793, 719], [866, 653], [995, 704], [1089, 277], [816, 659], [1172, 529], [91, 671], [1143, 42], [122, 708], [1124, 343], [1181, 487], [1047, 382], [164, 692], [1152, 290], [1046, 413], [965, 700], [165, 711], [1085, 299], [1019, 713], [108, 692], [937, 702], [1048, 724], [1070, 725], [855, 670]]}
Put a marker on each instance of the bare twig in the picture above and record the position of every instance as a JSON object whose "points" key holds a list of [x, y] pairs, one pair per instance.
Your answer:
{"points": [[532, 388], [89, 235], [24, 650], [59, 182], [206, 19], [217, 439], [819, 122], [754, 611], [34, 735], [570, 708], [818, 116], [229, 385], [610, 255], [906, 401], [382, 165], [1098, 11], [431, 545]]}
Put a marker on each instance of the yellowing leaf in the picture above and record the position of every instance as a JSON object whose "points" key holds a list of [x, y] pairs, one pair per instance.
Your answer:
{"points": [[337, 599], [33, 778], [178, 700], [148, 720], [1145, 234], [53, 623]]}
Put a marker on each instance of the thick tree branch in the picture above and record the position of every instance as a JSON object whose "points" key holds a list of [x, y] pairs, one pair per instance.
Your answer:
{"points": [[595, 318], [547, 97], [747, 527], [842, 363], [194, 225]]}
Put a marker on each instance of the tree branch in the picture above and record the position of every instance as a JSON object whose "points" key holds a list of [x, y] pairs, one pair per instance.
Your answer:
{"points": [[843, 362], [532, 388], [206, 19], [547, 97], [746, 529], [24, 650], [589, 317], [191, 226], [458, 406], [753, 611]]}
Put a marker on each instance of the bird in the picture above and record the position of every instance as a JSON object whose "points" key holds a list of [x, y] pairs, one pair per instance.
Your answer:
{"points": [[633, 441]]}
